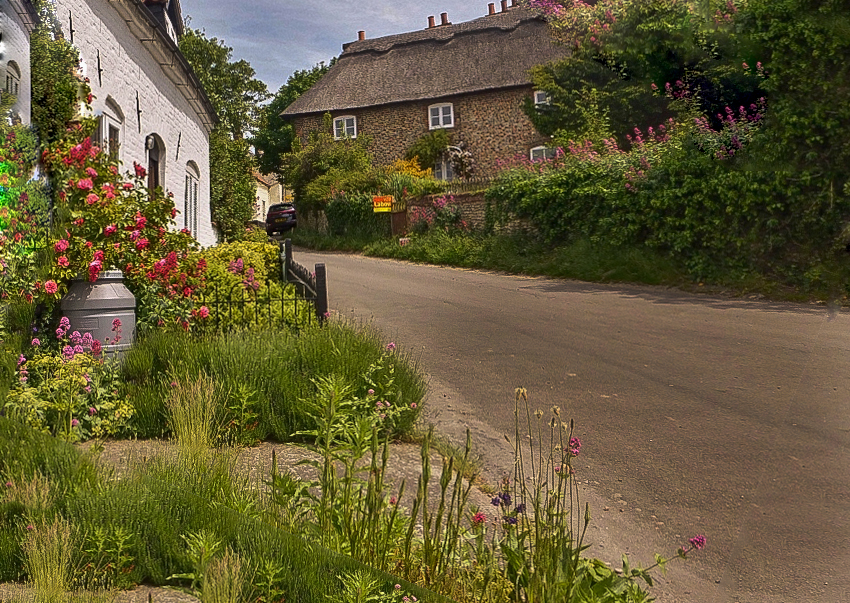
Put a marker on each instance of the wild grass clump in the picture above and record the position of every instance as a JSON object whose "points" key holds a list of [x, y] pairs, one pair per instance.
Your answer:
{"points": [[47, 554], [225, 580], [195, 405], [263, 378]]}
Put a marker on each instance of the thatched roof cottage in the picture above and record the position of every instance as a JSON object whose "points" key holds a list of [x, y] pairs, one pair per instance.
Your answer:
{"points": [[469, 78]]}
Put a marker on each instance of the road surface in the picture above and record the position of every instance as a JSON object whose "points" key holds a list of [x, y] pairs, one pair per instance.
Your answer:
{"points": [[698, 414]]}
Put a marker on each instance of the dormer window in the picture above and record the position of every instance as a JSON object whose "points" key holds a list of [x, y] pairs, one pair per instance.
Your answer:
{"points": [[541, 98], [345, 127], [541, 153], [441, 116]]}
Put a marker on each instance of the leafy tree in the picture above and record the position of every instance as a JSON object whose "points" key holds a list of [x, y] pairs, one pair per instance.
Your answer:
{"points": [[235, 95], [55, 87], [626, 52], [275, 134], [233, 90], [323, 166]]}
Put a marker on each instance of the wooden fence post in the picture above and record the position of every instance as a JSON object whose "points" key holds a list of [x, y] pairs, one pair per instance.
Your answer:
{"points": [[321, 293]]}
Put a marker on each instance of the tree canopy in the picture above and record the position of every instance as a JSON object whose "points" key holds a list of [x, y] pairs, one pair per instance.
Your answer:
{"points": [[275, 135], [235, 95]]}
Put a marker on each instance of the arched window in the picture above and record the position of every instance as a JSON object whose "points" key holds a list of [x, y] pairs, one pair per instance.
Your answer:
{"points": [[190, 198], [156, 160], [13, 78], [111, 128]]}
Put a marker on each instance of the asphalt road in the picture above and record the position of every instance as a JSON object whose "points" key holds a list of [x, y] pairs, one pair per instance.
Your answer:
{"points": [[698, 414]]}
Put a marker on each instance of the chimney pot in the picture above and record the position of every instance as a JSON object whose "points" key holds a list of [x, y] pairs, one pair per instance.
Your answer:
{"points": [[504, 6], [361, 35], [431, 22], [444, 18], [491, 8]]}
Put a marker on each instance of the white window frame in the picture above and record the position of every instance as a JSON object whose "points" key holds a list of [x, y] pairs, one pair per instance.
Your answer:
{"points": [[443, 170], [342, 129], [437, 116], [542, 152], [190, 199], [542, 98], [13, 79]]}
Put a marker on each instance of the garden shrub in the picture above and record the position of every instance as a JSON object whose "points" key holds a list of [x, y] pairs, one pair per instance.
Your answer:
{"points": [[66, 387], [351, 214], [105, 220], [243, 289]]}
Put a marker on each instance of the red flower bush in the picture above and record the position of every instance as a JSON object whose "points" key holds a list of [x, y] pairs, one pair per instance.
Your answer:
{"points": [[111, 222]]}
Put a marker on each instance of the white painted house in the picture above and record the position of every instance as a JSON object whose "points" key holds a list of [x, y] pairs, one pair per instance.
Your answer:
{"points": [[151, 105], [17, 21]]}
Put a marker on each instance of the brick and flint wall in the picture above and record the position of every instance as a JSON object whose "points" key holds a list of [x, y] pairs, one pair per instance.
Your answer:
{"points": [[492, 125]]}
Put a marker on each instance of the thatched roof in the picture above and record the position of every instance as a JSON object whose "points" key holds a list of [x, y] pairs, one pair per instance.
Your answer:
{"points": [[489, 53]]}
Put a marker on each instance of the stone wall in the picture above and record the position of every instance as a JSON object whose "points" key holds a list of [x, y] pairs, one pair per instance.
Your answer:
{"points": [[16, 47], [129, 71], [491, 124]]}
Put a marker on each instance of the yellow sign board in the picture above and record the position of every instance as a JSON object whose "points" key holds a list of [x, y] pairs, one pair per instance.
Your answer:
{"points": [[382, 204]]}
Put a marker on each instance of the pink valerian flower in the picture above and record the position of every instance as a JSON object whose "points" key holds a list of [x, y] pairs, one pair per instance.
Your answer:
{"points": [[140, 171], [51, 287], [85, 184], [116, 324], [135, 235], [371, 392], [92, 198], [128, 186], [142, 243], [479, 518], [413, 405], [36, 342], [203, 312], [91, 172], [391, 346], [110, 230], [64, 323], [575, 446], [74, 422], [140, 221], [92, 411], [61, 246], [393, 500], [63, 261], [698, 542]]}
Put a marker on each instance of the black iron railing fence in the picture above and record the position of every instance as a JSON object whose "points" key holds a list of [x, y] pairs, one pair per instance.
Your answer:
{"points": [[299, 299]]}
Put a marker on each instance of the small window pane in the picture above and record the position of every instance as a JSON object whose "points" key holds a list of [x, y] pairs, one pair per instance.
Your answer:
{"points": [[435, 117]]}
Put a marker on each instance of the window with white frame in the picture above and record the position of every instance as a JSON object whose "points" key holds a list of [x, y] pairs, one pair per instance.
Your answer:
{"points": [[538, 153], [13, 78], [345, 127], [441, 116], [111, 128], [443, 170], [190, 198], [541, 98]]}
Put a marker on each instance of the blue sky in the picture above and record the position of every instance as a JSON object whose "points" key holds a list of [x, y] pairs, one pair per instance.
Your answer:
{"points": [[279, 37]]}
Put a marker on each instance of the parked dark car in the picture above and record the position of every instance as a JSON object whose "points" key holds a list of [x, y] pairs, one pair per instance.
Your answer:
{"points": [[280, 218]]}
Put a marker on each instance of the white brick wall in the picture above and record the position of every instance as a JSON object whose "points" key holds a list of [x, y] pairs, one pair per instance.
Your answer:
{"points": [[128, 70], [15, 47]]}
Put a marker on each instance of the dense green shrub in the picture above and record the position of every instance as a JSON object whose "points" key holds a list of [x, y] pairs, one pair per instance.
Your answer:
{"points": [[351, 214], [715, 216]]}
